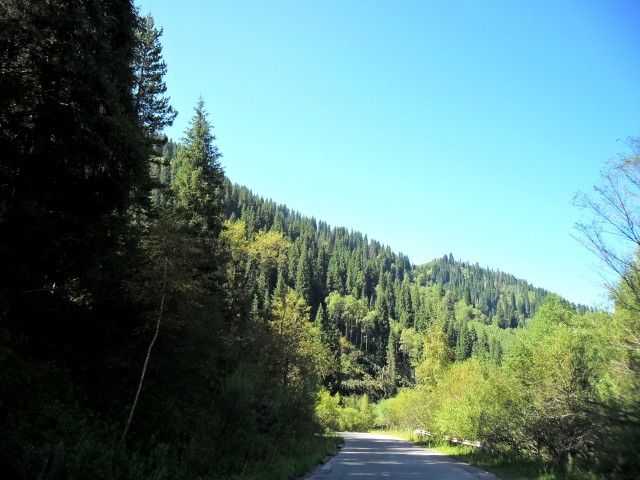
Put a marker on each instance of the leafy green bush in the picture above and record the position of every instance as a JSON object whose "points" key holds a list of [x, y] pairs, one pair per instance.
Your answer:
{"points": [[328, 410]]}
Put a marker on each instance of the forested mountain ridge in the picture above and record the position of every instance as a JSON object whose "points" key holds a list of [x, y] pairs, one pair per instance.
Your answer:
{"points": [[348, 262], [380, 303], [358, 266]]}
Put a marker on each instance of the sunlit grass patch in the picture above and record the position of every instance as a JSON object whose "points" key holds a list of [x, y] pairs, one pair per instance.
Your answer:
{"points": [[506, 467]]}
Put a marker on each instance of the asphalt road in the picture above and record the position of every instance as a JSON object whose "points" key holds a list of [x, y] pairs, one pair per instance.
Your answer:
{"points": [[369, 456]]}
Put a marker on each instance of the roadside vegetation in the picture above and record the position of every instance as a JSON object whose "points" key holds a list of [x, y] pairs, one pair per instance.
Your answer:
{"points": [[504, 466], [562, 399], [301, 458]]}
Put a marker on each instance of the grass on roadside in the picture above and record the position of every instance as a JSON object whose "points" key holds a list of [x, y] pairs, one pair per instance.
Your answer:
{"points": [[504, 467], [298, 461]]}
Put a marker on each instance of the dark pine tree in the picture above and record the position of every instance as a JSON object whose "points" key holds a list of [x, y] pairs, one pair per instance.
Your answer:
{"points": [[72, 149], [154, 111]]}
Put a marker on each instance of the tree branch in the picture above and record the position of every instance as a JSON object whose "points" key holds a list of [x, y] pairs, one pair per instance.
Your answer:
{"points": [[146, 361]]}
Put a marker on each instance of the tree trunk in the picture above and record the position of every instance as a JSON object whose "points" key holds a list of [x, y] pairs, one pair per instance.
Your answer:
{"points": [[146, 361]]}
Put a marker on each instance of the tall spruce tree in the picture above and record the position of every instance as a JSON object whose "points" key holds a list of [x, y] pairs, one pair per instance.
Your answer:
{"points": [[183, 247], [197, 179], [154, 111], [304, 276], [152, 105]]}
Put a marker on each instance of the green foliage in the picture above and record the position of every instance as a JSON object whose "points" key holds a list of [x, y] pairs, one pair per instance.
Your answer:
{"points": [[347, 414], [83, 100], [509, 467], [610, 232], [328, 410], [357, 415], [618, 420], [299, 458], [93, 261], [561, 362], [72, 151], [383, 314], [196, 178], [298, 356], [543, 401], [459, 401], [559, 395], [406, 410], [149, 89]]}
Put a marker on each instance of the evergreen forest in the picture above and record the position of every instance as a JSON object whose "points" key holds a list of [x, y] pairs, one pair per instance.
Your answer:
{"points": [[159, 321]]}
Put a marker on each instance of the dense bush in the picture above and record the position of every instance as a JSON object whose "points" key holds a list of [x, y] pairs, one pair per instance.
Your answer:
{"points": [[346, 414], [546, 400]]}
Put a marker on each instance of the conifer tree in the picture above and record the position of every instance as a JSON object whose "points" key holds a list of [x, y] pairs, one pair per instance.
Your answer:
{"points": [[304, 276], [197, 179], [330, 336], [321, 317], [71, 148], [154, 111], [152, 106]]}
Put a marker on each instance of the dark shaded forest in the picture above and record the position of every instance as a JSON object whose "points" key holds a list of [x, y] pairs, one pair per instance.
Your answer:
{"points": [[159, 321]]}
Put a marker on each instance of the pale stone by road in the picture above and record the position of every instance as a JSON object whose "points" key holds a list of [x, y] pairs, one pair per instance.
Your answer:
{"points": [[368, 456]]}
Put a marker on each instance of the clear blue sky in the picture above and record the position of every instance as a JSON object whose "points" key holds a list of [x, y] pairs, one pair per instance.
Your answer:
{"points": [[431, 126]]}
